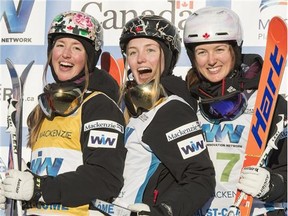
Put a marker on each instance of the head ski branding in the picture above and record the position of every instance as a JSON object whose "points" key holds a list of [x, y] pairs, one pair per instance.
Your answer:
{"points": [[268, 90], [264, 112]]}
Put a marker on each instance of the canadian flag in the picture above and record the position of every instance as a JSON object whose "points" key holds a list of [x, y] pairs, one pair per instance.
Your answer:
{"points": [[185, 4]]}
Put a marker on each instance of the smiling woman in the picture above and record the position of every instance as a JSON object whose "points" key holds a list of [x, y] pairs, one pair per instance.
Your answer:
{"points": [[225, 83], [214, 61], [162, 176], [68, 58]]}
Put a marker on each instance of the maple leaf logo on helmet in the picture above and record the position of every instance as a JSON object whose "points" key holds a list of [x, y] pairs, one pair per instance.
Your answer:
{"points": [[206, 35]]}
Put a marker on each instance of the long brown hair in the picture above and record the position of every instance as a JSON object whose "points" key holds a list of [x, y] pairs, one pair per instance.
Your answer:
{"points": [[37, 116], [192, 78], [34, 122]]}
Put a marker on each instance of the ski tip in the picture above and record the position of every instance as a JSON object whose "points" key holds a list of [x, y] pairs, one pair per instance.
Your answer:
{"points": [[105, 61], [111, 65], [30, 64], [278, 29], [8, 61]]}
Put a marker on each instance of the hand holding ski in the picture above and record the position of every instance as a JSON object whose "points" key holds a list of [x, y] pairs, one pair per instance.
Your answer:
{"points": [[269, 85], [14, 121], [234, 210]]}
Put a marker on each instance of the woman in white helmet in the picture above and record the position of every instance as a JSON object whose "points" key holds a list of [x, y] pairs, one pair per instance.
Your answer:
{"points": [[76, 130], [225, 82]]}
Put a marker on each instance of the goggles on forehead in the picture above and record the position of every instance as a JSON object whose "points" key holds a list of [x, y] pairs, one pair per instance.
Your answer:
{"points": [[142, 97], [60, 100], [224, 108]]}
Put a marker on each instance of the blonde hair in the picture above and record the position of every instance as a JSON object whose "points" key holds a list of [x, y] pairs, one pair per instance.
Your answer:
{"points": [[156, 87], [36, 116]]}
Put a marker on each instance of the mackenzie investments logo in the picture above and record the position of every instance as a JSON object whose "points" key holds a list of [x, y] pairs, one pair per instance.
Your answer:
{"points": [[267, 3]]}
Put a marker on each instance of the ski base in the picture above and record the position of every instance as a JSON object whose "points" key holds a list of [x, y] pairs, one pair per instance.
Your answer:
{"points": [[269, 85]]}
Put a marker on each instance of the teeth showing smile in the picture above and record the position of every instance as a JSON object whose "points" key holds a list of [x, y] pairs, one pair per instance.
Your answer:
{"points": [[65, 64], [213, 70]]}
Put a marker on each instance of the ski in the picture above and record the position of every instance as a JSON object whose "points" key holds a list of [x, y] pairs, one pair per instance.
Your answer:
{"points": [[271, 145], [17, 94], [269, 85], [14, 123], [3, 170], [114, 67]]}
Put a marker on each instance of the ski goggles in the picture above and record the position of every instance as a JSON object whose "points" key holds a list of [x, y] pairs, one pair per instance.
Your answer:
{"points": [[224, 108], [141, 97], [60, 100]]}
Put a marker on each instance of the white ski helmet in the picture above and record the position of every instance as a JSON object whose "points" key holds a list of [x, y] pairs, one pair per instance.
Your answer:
{"points": [[211, 24]]}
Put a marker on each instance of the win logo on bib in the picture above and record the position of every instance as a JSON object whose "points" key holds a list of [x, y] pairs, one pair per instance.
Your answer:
{"points": [[191, 146], [102, 139]]}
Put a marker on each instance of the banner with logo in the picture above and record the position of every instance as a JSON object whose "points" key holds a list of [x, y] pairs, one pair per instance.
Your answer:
{"points": [[24, 25]]}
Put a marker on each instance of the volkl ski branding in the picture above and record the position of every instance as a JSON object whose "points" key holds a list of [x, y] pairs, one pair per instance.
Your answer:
{"points": [[264, 112]]}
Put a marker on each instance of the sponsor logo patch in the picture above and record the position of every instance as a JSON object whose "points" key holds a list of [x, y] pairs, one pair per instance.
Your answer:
{"points": [[191, 146], [102, 139], [183, 130], [104, 124]]}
